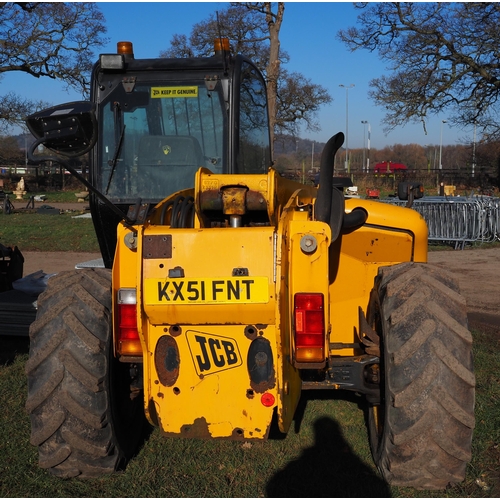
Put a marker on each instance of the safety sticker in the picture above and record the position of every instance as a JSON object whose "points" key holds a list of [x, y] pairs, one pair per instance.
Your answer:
{"points": [[174, 92]]}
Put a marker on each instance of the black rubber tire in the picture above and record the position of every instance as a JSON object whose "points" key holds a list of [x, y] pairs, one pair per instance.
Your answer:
{"points": [[421, 432], [84, 418]]}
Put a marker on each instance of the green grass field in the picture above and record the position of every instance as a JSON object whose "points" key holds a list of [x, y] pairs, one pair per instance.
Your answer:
{"points": [[48, 233], [326, 453]]}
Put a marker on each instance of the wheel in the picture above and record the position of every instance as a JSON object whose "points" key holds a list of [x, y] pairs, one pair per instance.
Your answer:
{"points": [[85, 406], [421, 432]]}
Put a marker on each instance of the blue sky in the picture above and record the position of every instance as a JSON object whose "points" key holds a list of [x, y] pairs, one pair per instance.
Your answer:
{"points": [[308, 34]]}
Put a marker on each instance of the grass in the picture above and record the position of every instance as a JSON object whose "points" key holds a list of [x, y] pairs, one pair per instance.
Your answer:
{"points": [[48, 233], [326, 454], [66, 196]]}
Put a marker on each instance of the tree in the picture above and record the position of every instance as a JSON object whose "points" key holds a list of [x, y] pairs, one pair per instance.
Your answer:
{"points": [[253, 30], [53, 40], [10, 152], [442, 57], [273, 21]]}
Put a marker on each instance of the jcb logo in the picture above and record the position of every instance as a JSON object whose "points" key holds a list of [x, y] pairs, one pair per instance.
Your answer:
{"points": [[212, 353]]}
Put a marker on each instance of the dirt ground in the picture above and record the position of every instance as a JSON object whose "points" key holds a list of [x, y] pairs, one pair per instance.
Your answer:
{"points": [[478, 272]]}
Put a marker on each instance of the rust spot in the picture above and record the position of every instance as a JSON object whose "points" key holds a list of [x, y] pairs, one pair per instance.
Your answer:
{"points": [[175, 330], [250, 394], [251, 332], [198, 429], [261, 326], [160, 395], [157, 246], [244, 198], [167, 360], [233, 199], [238, 434], [264, 386], [210, 200]]}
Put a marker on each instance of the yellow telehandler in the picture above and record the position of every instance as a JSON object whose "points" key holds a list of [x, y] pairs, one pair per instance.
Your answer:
{"points": [[227, 290]]}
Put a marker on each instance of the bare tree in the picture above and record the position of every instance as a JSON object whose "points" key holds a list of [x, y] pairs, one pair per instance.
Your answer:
{"points": [[53, 40], [10, 152], [253, 29], [273, 22], [442, 57]]}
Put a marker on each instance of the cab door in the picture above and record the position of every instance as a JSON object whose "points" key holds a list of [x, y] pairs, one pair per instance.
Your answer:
{"points": [[251, 151]]}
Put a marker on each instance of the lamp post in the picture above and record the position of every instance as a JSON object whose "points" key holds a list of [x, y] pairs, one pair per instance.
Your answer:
{"points": [[312, 158], [474, 150], [347, 87], [365, 122], [441, 146]]}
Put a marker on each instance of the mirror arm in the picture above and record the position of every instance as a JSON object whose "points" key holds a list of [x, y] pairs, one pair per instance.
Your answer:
{"points": [[80, 177]]}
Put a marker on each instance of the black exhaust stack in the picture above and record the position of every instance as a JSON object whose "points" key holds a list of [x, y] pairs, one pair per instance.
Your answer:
{"points": [[330, 203], [323, 205]]}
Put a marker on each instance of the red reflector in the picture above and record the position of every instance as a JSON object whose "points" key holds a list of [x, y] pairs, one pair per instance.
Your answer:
{"points": [[267, 399], [309, 320], [127, 322]]}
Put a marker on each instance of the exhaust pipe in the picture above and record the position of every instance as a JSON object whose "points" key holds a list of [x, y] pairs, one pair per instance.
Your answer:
{"points": [[323, 205], [330, 202]]}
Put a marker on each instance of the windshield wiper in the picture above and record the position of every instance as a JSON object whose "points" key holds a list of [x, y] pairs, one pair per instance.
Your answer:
{"points": [[113, 162]]}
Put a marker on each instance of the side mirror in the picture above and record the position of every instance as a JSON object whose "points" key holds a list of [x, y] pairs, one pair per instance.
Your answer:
{"points": [[67, 129]]}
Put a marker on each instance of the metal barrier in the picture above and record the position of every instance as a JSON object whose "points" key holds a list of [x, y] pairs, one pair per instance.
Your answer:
{"points": [[457, 219]]}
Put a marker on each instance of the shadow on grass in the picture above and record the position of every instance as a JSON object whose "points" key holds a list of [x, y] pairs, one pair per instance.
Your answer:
{"points": [[327, 469], [11, 346]]}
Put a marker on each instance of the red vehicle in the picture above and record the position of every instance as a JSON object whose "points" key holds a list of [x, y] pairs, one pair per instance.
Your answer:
{"points": [[386, 167]]}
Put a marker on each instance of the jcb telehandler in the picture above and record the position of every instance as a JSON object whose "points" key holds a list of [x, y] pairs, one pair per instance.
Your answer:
{"points": [[228, 289]]}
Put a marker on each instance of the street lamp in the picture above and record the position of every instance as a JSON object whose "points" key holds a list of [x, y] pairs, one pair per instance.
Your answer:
{"points": [[441, 146], [347, 87], [474, 150], [365, 122]]}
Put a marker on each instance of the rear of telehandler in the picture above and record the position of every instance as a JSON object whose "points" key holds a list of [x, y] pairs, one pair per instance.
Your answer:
{"points": [[227, 289]]}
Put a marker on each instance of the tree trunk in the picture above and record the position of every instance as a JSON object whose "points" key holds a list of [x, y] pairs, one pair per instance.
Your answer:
{"points": [[273, 68]]}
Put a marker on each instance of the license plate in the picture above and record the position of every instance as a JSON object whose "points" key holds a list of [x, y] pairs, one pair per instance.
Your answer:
{"points": [[176, 291]]}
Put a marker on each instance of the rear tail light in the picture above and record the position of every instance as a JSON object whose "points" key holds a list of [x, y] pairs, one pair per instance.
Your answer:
{"points": [[128, 342], [309, 321]]}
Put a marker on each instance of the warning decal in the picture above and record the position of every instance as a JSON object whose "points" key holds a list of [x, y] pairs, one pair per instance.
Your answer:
{"points": [[166, 92]]}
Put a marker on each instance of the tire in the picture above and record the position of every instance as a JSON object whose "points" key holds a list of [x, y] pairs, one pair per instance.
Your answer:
{"points": [[86, 412], [421, 432]]}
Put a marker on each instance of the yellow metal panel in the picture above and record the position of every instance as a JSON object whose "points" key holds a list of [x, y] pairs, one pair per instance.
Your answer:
{"points": [[355, 258], [213, 254], [297, 271], [126, 265], [213, 395]]}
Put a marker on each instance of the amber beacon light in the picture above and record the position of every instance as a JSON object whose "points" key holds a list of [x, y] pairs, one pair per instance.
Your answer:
{"points": [[221, 44], [125, 48]]}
